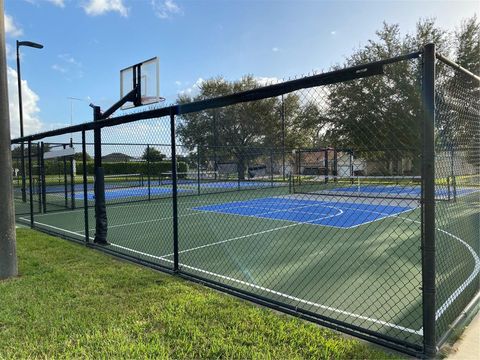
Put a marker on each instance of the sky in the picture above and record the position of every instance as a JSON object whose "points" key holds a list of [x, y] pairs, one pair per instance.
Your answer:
{"points": [[87, 42]]}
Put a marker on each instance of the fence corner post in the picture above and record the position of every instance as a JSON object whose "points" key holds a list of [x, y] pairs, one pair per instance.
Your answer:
{"points": [[428, 202], [174, 190]]}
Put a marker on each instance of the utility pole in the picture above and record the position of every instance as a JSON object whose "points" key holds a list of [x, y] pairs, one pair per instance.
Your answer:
{"points": [[8, 253]]}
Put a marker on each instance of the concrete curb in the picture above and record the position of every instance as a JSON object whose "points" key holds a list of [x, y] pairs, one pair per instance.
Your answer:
{"points": [[468, 346]]}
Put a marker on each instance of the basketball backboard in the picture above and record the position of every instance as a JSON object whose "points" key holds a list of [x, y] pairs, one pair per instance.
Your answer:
{"points": [[146, 75]]}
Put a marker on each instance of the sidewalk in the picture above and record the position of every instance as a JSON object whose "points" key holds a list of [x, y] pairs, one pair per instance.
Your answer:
{"points": [[468, 346]]}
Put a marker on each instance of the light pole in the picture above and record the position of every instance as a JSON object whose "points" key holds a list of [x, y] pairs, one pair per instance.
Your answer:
{"points": [[20, 108]]}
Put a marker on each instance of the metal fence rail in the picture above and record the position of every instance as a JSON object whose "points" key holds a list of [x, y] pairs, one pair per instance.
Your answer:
{"points": [[349, 198]]}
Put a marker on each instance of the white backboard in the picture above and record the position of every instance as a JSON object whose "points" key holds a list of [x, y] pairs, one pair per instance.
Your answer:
{"points": [[149, 81]]}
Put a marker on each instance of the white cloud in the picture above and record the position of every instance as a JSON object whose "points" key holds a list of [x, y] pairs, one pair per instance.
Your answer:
{"points": [[333, 32], [165, 8], [178, 83], [9, 51], [59, 68], [264, 81], [11, 29], [194, 89], [31, 121], [59, 3], [99, 7], [69, 66], [69, 59], [275, 49]]}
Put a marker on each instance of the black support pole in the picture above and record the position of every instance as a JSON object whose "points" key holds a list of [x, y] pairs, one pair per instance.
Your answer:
{"points": [[39, 167], [72, 177], [43, 177], [99, 186], [198, 170], [30, 185], [428, 202], [215, 144], [283, 137], [174, 192], [326, 166], [148, 173], [271, 167], [85, 187], [65, 179]]}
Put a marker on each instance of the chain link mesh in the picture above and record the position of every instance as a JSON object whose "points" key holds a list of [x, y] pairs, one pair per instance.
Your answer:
{"points": [[310, 200], [457, 165]]}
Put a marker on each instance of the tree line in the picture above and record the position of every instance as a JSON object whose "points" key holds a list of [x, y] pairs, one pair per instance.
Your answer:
{"points": [[378, 117]]}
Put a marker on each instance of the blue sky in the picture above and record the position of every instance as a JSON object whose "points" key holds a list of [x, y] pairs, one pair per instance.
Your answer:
{"points": [[87, 42]]}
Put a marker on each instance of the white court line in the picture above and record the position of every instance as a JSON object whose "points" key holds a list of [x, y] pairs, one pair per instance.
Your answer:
{"points": [[290, 297], [440, 311], [380, 218], [258, 287], [273, 211], [253, 234], [467, 282], [321, 203], [153, 202], [56, 228], [287, 296], [146, 221]]}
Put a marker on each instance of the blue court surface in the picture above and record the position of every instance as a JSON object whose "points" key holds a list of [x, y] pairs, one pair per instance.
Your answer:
{"points": [[334, 214], [410, 191]]}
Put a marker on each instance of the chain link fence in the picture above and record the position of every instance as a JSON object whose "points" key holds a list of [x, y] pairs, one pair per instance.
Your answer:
{"points": [[331, 197]]}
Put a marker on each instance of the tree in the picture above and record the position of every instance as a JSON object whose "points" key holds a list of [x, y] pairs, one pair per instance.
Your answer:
{"points": [[241, 132], [467, 38], [379, 117], [457, 97], [151, 154], [78, 156]]}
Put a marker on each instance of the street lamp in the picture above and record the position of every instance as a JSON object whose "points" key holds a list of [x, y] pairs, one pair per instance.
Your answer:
{"points": [[19, 80]]}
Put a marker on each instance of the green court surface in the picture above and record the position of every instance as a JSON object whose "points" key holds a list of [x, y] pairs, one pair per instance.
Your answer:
{"points": [[367, 275]]}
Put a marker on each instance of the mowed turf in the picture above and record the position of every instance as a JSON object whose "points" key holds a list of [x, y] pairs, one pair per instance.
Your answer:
{"points": [[368, 276], [73, 302]]}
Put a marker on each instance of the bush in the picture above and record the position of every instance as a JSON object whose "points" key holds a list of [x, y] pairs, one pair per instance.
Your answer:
{"points": [[116, 168]]}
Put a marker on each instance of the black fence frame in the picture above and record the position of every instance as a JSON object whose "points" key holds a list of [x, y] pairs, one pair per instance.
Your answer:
{"points": [[428, 57]]}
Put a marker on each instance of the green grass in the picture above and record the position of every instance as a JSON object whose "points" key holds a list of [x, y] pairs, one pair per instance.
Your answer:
{"points": [[70, 301]]}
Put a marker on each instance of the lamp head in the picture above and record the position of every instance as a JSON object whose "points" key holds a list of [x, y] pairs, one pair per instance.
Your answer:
{"points": [[30, 44]]}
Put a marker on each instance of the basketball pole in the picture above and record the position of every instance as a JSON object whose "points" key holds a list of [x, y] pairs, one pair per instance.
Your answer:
{"points": [[8, 254]]}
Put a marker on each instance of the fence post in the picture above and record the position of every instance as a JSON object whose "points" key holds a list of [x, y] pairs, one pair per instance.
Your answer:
{"points": [[271, 168], [198, 169], [283, 137], [30, 179], [148, 173], [101, 220], [65, 179], [43, 177], [85, 187], [428, 202], [326, 165], [174, 191], [39, 167], [72, 177]]}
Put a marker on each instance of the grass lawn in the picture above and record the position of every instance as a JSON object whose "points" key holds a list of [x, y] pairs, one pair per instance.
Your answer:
{"points": [[70, 301]]}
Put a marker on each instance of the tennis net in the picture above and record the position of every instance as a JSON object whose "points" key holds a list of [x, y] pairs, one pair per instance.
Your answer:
{"points": [[398, 187], [208, 181], [124, 180]]}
